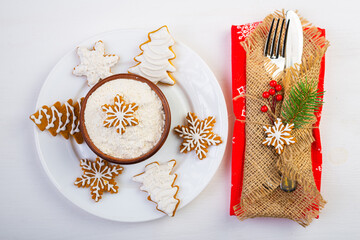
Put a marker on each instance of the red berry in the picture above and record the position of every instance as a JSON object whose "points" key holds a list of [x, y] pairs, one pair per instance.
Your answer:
{"points": [[278, 97], [266, 94], [273, 83], [272, 91], [278, 88], [264, 108]]}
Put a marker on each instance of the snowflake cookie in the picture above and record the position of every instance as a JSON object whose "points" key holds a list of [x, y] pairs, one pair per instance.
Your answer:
{"points": [[158, 182], [120, 114], [279, 135], [99, 176], [94, 64], [61, 119], [154, 63], [197, 135]]}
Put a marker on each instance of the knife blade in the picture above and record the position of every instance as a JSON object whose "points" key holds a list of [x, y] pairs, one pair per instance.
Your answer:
{"points": [[295, 40]]}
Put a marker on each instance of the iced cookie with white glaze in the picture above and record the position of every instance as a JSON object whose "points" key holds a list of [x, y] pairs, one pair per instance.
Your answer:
{"points": [[99, 176], [158, 182], [197, 135], [120, 114], [154, 63], [94, 63], [61, 119]]}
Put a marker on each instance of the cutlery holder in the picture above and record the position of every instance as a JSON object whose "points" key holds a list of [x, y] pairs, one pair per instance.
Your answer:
{"points": [[261, 195]]}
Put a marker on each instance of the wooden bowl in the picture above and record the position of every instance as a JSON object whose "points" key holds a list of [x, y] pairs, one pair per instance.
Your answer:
{"points": [[157, 146]]}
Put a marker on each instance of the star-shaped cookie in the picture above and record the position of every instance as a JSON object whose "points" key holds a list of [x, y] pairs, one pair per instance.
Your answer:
{"points": [[94, 64], [279, 135], [197, 135], [120, 114], [99, 176]]}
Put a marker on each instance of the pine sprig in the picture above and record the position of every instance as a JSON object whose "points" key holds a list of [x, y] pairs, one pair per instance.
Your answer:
{"points": [[303, 101]]}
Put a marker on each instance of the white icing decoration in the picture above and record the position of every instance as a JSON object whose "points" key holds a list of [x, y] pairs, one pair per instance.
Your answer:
{"points": [[197, 135], [77, 128], [56, 115], [279, 135], [53, 119], [70, 110], [99, 175], [157, 180], [154, 60], [120, 115], [38, 119], [94, 64]]}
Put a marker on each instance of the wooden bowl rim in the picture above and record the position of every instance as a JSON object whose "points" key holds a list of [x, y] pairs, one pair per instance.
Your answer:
{"points": [[157, 146]]}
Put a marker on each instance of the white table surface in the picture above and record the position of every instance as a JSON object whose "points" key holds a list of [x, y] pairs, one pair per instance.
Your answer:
{"points": [[34, 35]]}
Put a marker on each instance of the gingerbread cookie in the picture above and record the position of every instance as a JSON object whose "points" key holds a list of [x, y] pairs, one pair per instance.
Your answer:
{"points": [[158, 182], [279, 135], [154, 61], [120, 114], [197, 135], [99, 176], [60, 118], [95, 64]]}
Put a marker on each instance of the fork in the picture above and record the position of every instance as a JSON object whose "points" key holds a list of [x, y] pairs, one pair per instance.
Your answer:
{"points": [[277, 56]]}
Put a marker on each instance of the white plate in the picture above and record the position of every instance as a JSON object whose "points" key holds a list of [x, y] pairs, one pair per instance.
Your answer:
{"points": [[196, 90]]}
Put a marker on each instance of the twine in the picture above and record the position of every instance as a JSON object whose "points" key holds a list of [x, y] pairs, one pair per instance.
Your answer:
{"points": [[260, 100]]}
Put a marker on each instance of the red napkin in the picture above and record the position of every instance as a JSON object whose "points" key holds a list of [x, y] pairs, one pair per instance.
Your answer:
{"points": [[238, 34]]}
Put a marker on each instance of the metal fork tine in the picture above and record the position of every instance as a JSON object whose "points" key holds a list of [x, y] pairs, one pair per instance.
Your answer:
{"points": [[279, 38], [285, 38], [274, 38], [268, 38]]}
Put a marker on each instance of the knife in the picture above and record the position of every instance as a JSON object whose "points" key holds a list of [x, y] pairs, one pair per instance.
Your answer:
{"points": [[295, 40], [293, 54]]}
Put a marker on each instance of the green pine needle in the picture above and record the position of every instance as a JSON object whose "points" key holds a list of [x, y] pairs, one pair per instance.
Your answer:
{"points": [[303, 101]]}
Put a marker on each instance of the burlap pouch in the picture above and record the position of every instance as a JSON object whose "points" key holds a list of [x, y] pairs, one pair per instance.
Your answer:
{"points": [[263, 167]]}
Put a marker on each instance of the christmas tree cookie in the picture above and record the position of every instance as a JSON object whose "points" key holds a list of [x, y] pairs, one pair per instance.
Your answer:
{"points": [[60, 118], [158, 182], [154, 61]]}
